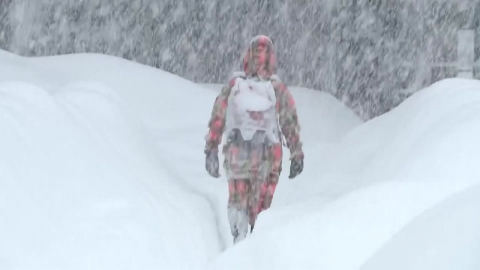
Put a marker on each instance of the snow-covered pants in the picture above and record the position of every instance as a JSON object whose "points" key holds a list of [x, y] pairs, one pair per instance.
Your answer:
{"points": [[248, 196], [251, 197]]}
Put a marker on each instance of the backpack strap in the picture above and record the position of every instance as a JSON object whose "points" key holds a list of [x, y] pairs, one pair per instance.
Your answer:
{"points": [[275, 78], [239, 74]]}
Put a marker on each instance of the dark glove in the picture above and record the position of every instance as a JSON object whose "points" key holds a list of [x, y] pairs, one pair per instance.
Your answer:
{"points": [[211, 163], [296, 168]]}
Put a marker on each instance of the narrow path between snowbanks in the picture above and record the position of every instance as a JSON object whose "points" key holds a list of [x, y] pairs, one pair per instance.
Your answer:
{"points": [[183, 156]]}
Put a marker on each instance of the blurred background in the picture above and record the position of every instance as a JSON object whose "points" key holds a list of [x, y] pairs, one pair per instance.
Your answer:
{"points": [[370, 54]]}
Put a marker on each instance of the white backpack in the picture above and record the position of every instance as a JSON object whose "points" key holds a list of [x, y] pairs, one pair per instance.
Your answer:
{"points": [[251, 108]]}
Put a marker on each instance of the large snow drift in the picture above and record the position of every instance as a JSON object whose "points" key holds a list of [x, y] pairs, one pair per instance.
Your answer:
{"points": [[392, 195], [82, 185]]}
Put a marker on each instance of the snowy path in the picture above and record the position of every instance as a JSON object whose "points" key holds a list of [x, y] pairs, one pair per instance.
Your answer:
{"points": [[183, 158]]}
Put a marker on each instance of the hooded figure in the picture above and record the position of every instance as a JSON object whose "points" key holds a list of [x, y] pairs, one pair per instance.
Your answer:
{"points": [[253, 161]]}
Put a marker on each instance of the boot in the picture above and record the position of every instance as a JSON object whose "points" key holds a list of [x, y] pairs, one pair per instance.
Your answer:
{"points": [[238, 223]]}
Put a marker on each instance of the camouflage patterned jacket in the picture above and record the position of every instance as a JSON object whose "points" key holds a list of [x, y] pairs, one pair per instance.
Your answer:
{"points": [[259, 62]]}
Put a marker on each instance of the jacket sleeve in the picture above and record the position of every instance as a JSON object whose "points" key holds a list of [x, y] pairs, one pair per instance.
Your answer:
{"points": [[288, 119], [216, 124]]}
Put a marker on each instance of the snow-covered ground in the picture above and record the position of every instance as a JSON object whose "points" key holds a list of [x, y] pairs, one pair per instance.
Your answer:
{"points": [[102, 167]]}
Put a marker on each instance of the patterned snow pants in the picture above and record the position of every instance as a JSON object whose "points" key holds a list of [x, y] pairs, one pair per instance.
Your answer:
{"points": [[253, 168]]}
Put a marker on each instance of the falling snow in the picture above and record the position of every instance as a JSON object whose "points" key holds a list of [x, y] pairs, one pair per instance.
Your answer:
{"points": [[370, 54]]}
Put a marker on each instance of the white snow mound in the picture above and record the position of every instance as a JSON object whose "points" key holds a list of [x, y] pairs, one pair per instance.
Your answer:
{"points": [[82, 184], [382, 195]]}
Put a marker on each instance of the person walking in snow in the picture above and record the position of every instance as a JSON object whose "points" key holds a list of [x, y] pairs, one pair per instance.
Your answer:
{"points": [[255, 111]]}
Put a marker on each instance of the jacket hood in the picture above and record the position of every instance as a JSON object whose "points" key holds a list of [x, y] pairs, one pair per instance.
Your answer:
{"points": [[260, 59]]}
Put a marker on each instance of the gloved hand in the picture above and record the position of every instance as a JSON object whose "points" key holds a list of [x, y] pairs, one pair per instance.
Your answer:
{"points": [[211, 163], [296, 167]]}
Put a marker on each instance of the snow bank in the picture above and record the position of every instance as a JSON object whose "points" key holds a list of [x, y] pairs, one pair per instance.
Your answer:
{"points": [[445, 237], [82, 183], [382, 177]]}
